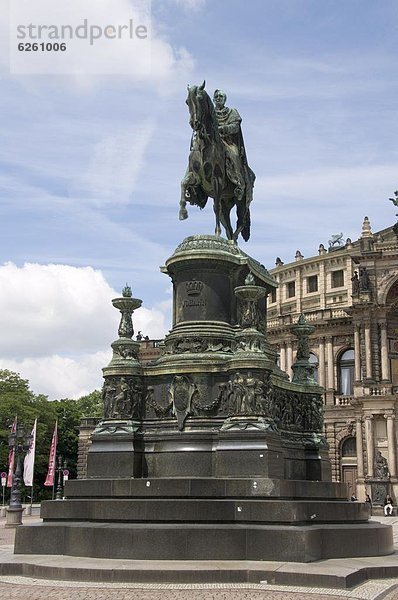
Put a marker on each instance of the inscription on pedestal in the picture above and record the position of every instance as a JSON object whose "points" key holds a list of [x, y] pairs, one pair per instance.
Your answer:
{"points": [[207, 298], [194, 302]]}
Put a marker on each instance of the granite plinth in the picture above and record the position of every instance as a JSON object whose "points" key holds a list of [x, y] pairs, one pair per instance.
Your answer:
{"points": [[195, 510], [205, 519], [198, 487], [168, 541]]}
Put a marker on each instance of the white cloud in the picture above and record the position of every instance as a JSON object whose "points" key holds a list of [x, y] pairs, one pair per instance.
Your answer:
{"points": [[115, 165], [59, 376], [57, 324], [47, 309]]}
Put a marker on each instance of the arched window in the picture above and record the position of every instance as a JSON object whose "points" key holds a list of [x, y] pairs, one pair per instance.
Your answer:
{"points": [[349, 447], [346, 373], [314, 362]]}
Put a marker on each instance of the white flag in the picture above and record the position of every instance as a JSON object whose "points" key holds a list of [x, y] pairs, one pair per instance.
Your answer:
{"points": [[29, 462]]}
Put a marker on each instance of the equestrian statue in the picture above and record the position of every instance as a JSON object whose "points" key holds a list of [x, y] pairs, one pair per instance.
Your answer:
{"points": [[217, 165]]}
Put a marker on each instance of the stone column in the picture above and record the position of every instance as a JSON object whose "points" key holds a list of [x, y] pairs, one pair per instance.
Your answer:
{"points": [[385, 364], [361, 473], [368, 352], [357, 352], [392, 461], [322, 286], [289, 359], [299, 292], [369, 443], [329, 350], [321, 361], [282, 357]]}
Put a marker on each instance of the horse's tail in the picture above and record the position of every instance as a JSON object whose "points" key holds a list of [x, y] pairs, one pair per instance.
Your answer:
{"points": [[246, 228]]}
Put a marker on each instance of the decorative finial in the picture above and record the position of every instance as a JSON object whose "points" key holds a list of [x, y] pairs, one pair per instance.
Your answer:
{"points": [[126, 291], [278, 262], [366, 228], [249, 279], [298, 255], [301, 320], [303, 370]]}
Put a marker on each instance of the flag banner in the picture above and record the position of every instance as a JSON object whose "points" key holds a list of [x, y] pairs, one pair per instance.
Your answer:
{"points": [[11, 457], [51, 459], [29, 462]]}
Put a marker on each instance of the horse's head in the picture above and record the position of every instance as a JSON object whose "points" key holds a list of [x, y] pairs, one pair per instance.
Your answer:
{"points": [[197, 102]]}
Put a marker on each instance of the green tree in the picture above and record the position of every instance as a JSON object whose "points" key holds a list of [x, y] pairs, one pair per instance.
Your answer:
{"points": [[91, 405], [16, 398]]}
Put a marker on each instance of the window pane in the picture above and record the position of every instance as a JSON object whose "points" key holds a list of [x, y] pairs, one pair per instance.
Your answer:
{"points": [[312, 284], [291, 289], [313, 360], [348, 355], [337, 279], [346, 380], [349, 447]]}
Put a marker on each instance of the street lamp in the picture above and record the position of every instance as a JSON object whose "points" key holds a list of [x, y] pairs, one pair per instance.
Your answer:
{"points": [[19, 441], [61, 467]]}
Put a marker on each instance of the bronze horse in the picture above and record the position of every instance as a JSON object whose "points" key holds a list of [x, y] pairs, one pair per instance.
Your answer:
{"points": [[206, 175]]}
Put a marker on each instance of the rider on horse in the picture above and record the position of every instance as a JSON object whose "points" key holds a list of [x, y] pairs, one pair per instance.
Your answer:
{"points": [[238, 171], [217, 163]]}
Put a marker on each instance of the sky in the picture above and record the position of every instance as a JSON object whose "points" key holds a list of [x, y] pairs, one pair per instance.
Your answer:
{"points": [[91, 162]]}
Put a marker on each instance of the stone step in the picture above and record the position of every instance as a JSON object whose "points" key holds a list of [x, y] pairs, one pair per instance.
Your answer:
{"points": [[204, 488], [161, 541], [205, 511]]}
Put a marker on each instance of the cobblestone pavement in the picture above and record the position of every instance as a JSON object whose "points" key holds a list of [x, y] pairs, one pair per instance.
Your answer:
{"points": [[23, 588], [17, 588]]}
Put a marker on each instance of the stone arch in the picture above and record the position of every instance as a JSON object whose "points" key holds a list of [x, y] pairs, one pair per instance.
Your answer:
{"points": [[348, 461], [348, 431], [387, 287], [342, 350], [348, 447]]}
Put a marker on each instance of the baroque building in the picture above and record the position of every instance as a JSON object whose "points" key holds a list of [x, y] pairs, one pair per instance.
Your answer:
{"points": [[350, 294]]}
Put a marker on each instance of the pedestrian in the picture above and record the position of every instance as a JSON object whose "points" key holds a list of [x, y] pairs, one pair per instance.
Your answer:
{"points": [[388, 506], [368, 501]]}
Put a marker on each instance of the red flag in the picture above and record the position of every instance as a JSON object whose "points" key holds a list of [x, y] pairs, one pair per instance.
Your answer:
{"points": [[11, 457], [51, 459]]}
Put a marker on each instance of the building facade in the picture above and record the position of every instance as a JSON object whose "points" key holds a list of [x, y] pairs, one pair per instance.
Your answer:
{"points": [[350, 294]]}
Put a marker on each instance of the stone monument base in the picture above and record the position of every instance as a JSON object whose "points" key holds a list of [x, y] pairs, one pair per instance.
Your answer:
{"points": [[250, 519], [209, 452]]}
